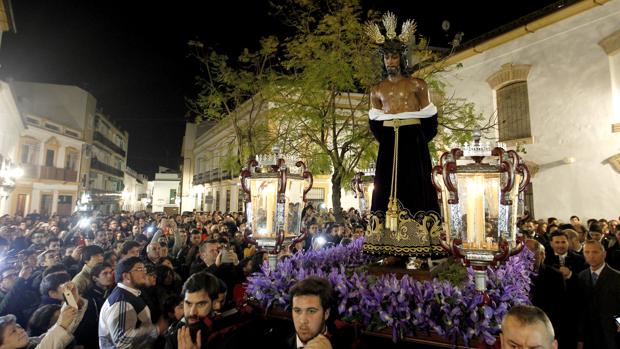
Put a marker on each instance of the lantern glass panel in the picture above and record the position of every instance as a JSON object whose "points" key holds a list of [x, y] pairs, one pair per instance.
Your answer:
{"points": [[264, 200], [294, 205], [479, 201], [508, 224]]}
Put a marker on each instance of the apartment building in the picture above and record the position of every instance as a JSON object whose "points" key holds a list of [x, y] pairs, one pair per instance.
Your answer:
{"points": [[107, 159], [135, 191], [49, 148]]}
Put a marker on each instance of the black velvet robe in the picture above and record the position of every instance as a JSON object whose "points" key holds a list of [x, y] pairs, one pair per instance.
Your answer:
{"points": [[415, 190]]}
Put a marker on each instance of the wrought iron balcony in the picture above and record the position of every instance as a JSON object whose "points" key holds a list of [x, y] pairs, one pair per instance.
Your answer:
{"points": [[98, 137], [49, 173], [98, 165], [213, 175]]}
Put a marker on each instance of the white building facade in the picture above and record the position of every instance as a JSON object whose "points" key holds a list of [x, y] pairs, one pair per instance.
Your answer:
{"points": [[165, 192], [208, 186], [49, 154], [10, 131], [135, 191], [554, 85]]}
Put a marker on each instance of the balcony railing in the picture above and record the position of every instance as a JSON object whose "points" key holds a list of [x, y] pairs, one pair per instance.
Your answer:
{"points": [[212, 176], [49, 172], [98, 137], [98, 165]]}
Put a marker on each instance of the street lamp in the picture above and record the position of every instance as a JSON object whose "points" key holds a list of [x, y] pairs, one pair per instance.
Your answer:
{"points": [[275, 192], [479, 203], [9, 173]]}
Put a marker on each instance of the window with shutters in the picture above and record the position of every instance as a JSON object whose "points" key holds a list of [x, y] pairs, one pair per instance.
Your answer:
{"points": [[227, 209], [513, 112], [240, 201]]}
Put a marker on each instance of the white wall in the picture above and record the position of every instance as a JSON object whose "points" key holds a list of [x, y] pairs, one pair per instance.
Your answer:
{"points": [[161, 193], [10, 129], [571, 111]]}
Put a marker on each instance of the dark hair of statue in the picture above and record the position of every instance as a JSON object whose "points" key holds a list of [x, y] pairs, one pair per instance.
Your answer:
{"points": [[394, 46]]}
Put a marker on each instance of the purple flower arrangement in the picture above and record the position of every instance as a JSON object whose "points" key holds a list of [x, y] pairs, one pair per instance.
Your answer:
{"points": [[406, 305]]}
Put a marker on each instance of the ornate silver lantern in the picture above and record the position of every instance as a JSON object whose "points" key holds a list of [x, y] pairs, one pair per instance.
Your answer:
{"points": [[479, 203], [275, 188]]}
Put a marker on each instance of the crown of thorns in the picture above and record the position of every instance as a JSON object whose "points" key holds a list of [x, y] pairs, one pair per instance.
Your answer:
{"points": [[389, 23]]}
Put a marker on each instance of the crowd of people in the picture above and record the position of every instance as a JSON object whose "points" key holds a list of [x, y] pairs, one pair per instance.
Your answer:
{"points": [[576, 279], [151, 280], [138, 279]]}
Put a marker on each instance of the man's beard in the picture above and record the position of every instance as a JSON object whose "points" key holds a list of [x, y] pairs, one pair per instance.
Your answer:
{"points": [[194, 321], [393, 71]]}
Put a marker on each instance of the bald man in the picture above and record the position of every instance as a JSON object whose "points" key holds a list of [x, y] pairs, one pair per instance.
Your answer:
{"points": [[527, 327]]}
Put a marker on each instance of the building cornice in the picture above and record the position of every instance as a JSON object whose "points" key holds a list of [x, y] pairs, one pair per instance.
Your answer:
{"points": [[523, 30]]}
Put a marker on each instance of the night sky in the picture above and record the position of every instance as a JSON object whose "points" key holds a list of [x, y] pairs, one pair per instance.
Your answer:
{"points": [[134, 58]]}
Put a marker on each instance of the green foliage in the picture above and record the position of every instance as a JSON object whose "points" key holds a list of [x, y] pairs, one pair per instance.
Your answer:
{"points": [[237, 94], [453, 272], [309, 94], [324, 95]]}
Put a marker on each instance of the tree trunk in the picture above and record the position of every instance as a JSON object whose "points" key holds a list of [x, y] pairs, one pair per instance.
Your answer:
{"points": [[336, 189]]}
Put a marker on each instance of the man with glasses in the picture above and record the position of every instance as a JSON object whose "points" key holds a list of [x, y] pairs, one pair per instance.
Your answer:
{"points": [[125, 319]]}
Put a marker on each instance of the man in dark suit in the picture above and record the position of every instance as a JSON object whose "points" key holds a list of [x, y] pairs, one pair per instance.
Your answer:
{"points": [[600, 292], [566, 261], [548, 292], [570, 264]]}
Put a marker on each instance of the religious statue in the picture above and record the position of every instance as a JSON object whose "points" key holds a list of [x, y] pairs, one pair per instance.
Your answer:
{"points": [[403, 120]]}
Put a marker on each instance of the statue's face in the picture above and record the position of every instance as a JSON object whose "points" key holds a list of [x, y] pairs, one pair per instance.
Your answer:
{"points": [[392, 63]]}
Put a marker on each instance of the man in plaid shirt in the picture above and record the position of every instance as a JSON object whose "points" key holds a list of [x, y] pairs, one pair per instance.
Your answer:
{"points": [[125, 320]]}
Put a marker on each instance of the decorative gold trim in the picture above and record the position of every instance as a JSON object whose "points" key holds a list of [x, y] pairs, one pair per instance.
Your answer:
{"points": [[401, 122], [416, 235], [615, 128]]}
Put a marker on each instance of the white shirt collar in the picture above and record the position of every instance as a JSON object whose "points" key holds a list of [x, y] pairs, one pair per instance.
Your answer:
{"points": [[300, 344], [130, 289], [598, 271], [562, 255]]}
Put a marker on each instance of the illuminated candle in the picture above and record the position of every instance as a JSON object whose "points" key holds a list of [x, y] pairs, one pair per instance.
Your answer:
{"points": [[475, 209]]}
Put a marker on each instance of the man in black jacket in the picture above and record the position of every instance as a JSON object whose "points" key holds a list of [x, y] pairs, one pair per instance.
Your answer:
{"points": [[600, 292], [566, 261], [548, 292], [18, 299]]}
